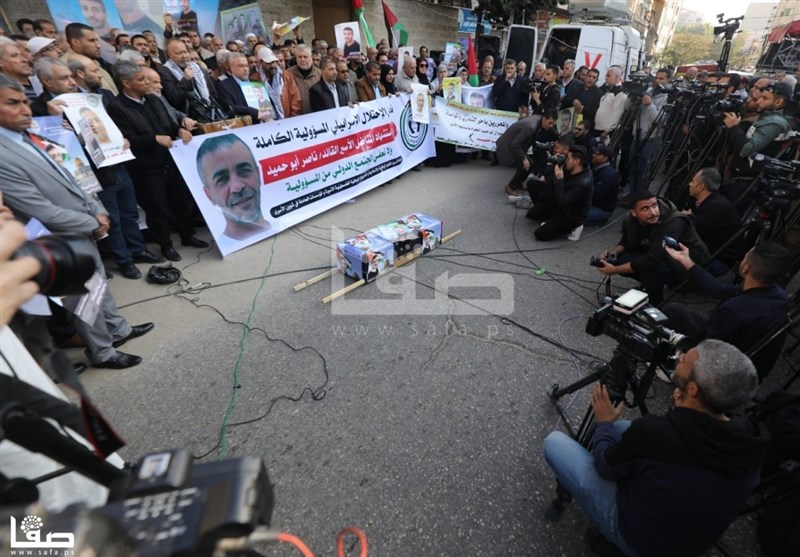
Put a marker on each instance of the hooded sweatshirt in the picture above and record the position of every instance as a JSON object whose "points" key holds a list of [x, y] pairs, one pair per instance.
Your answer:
{"points": [[681, 478]]}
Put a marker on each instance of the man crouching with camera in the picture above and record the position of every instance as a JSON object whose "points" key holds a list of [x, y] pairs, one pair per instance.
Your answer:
{"points": [[668, 485]]}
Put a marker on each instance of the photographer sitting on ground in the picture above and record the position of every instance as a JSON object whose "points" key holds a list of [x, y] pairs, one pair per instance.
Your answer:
{"points": [[545, 179], [668, 485], [564, 207], [640, 253], [545, 133], [748, 311], [606, 186]]}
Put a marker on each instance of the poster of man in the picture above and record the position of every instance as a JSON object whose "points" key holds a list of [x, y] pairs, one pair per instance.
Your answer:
{"points": [[232, 183], [236, 23], [348, 38], [477, 96], [420, 104], [452, 89], [404, 51], [101, 135]]}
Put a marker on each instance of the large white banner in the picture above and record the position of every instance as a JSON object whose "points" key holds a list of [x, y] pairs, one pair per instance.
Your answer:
{"points": [[251, 183], [469, 126]]}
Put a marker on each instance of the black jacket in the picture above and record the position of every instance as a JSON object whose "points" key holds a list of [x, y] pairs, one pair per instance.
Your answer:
{"points": [[646, 240], [590, 99], [681, 478], [744, 317], [508, 97], [182, 95], [550, 97], [574, 194], [606, 187], [140, 125], [322, 99], [231, 94], [717, 221]]}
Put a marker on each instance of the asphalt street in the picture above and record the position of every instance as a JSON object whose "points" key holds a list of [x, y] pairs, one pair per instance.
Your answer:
{"points": [[415, 408]]}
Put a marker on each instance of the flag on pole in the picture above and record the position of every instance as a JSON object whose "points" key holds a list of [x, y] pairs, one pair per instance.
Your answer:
{"points": [[358, 6], [472, 64], [398, 35]]}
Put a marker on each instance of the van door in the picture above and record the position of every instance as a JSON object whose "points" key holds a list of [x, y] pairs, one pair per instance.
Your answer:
{"points": [[594, 49], [521, 44]]}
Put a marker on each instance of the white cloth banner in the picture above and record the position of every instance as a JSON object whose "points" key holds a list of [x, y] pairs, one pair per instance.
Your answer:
{"points": [[251, 183], [469, 126]]}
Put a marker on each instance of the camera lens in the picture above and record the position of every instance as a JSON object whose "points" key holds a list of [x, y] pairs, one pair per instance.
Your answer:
{"points": [[67, 263]]}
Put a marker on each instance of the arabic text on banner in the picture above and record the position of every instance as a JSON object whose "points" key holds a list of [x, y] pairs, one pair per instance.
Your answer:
{"points": [[286, 171], [101, 136], [470, 126]]}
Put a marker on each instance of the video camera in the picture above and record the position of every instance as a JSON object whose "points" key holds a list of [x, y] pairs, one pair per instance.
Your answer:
{"points": [[637, 326], [734, 104], [162, 506], [555, 159], [780, 182], [533, 84]]}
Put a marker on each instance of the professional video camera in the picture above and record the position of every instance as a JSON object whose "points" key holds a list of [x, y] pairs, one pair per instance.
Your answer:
{"points": [[635, 88], [552, 158], [162, 506], [66, 263], [721, 107], [779, 183], [533, 84]]}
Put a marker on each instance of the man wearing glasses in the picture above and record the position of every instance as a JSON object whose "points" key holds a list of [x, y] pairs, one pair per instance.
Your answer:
{"points": [[668, 485]]}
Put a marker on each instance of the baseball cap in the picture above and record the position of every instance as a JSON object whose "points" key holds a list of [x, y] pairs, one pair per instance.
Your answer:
{"points": [[37, 44], [604, 149], [777, 88], [266, 55]]}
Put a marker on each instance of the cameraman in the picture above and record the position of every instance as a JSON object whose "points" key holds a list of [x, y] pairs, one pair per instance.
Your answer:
{"points": [[652, 102], [748, 311], [771, 126], [640, 254], [545, 133], [564, 206], [549, 97], [668, 485]]}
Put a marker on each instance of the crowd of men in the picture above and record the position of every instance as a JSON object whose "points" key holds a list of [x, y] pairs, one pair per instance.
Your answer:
{"points": [[565, 182]]}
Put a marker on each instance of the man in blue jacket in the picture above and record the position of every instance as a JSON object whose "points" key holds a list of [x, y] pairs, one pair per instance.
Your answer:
{"points": [[668, 485], [606, 185]]}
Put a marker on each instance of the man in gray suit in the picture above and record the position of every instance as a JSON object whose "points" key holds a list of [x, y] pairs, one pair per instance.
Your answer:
{"points": [[34, 186]]}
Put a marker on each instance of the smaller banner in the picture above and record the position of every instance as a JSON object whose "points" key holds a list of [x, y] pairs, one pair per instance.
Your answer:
{"points": [[348, 38], [237, 23], [468, 22], [101, 136], [452, 56], [404, 51], [280, 29], [480, 97], [420, 103], [63, 147], [567, 120], [469, 126]]}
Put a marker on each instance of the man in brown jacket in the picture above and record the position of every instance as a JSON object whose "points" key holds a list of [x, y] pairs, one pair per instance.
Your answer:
{"points": [[280, 85], [305, 75], [369, 87]]}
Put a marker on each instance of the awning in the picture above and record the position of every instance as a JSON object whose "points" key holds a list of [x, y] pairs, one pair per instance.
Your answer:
{"points": [[791, 29]]}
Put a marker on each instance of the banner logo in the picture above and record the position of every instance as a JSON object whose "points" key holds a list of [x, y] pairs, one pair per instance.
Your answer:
{"points": [[412, 133]]}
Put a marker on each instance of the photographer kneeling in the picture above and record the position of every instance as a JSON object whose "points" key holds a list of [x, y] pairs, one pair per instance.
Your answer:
{"points": [[640, 254], [669, 485], [563, 206], [748, 312]]}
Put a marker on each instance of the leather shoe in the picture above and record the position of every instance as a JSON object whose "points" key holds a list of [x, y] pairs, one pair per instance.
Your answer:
{"points": [[171, 254], [194, 242], [147, 257], [136, 331], [129, 271], [120, 360]]}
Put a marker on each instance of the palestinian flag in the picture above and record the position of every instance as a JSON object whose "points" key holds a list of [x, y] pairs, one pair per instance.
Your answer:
{"points": [[398, 35], [358, 7], [472, 64]]}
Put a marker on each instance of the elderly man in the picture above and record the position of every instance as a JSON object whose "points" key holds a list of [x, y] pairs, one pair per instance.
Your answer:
{"points": [[281, 86], [231, 89], [152, 44], [56, 79], [160, 189], [14, 65], [668, 485], [34, 186], [187, 87], [305, 75], [612, 103], [327, 93], [407, 75], [84, 40]]}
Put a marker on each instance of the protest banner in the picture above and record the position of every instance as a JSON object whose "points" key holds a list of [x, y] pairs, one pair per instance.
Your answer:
{"points": [[280, 29], [420, 103], [469, 126], [480, 97], [348, 38], [251, 183], [101, 136], [63, 147]]}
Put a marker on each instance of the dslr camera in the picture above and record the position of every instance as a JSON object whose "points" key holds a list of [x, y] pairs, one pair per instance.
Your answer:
{"points": [[595, 261], [66, 260]]}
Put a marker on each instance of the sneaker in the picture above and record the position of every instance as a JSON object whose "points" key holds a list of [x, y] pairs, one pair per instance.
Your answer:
{"points": [[516, 197], [524, 203], [575, 235]]}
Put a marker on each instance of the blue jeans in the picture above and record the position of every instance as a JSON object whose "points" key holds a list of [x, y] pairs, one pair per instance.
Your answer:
{"points": [[597, 216], [574, 468], [124, 237]]}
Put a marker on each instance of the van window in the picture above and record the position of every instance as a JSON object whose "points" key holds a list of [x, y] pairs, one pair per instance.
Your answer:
{"points": [[562, 45]]}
